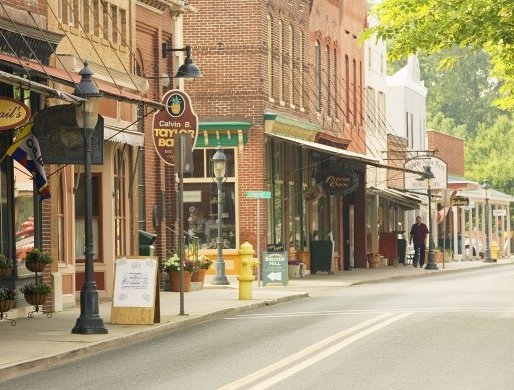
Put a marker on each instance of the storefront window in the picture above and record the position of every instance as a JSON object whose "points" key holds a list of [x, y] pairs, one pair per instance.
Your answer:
{"points": [[23, 211], [201, 201]]}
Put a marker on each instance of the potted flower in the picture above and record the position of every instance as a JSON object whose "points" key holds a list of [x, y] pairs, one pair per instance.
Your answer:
{"points": [[293, 268], [36, 294], [201, 264], [36, 260], [373, 259], [7, 299], [172, 267], [5, 266]]}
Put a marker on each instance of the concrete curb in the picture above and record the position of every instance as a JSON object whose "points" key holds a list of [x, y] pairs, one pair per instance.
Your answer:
{"points": [[30, 365], [427, 274]]}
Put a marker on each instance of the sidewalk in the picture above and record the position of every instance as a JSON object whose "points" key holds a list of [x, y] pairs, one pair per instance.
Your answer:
{"points": [[41, 341]]}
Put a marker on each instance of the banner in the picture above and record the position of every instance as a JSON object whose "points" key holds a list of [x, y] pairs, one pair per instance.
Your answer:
{"points": [[27, 152]]}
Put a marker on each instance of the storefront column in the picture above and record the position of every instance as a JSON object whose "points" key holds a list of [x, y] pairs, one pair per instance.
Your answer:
{"points": [[508, 250], [473, 232], [455, 234]]}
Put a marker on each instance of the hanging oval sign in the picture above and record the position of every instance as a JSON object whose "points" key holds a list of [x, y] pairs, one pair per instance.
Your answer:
{"points": [[12, 113], [338, 181], [177, 118]]}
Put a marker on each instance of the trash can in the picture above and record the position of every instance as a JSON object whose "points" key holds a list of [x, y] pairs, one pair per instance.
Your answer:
{"points": [[146, 241], [401, 250], [321, 256]]}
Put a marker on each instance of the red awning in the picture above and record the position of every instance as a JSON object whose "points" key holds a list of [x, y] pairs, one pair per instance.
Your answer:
{"points": [[71, 79]]}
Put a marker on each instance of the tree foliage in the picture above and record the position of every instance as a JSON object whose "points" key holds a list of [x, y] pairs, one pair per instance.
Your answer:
{"points": [[491, 154], [433, 26]]}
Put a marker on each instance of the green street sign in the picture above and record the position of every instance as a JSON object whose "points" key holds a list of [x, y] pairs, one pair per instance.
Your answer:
{"points": [[274, 268], [258, 194]]}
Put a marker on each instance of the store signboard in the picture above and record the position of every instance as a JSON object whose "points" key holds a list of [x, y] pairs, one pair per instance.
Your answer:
{"points": [[418, 164], [178, 118], [274, 268]]}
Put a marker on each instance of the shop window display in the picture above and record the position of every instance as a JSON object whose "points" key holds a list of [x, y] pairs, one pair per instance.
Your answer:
{"points": [[201, 202]]}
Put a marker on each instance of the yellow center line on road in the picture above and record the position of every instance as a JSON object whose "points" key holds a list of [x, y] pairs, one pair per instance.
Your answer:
{"points": [[325, 353], [307, 351]]}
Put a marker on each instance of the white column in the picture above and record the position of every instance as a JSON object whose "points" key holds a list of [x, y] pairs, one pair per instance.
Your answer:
{"points": [[463, 231], [482, 206], [508, 251]]}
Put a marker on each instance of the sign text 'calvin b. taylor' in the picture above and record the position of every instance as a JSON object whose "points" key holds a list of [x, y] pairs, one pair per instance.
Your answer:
{"points": [[177, 118]]}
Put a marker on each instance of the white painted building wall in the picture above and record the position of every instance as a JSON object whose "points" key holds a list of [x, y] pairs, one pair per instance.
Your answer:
{"points": [[406, 108]]}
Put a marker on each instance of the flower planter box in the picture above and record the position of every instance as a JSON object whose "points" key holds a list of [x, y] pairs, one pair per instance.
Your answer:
{"points": [[175, 281], [199, 276], [36, 299], [293, 271]]}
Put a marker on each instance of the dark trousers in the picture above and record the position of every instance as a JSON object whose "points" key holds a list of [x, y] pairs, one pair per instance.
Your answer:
{"points": [[419, 256]]}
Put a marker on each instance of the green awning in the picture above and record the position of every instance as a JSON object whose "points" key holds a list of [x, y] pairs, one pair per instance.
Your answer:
{"points": [[228, 134]]}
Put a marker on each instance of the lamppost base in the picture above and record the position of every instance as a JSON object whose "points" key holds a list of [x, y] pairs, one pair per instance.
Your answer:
{"points": [[220, 281], [89, 325], [487, 261]]}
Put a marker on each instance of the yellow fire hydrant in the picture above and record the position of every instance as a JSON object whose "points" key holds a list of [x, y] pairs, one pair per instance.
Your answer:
{"points": [[247, 264], [494, 251]]}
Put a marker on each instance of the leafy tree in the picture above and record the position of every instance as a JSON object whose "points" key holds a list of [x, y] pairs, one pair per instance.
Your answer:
{"points": [[446, 125], [464, 93], [491, 155], [431, 26]]}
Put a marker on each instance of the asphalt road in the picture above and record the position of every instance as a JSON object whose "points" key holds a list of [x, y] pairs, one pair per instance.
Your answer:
{"points": [[452, 331]]}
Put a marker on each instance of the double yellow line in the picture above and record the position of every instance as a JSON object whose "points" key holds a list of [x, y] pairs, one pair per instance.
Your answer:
{"points": [[314, 353]]}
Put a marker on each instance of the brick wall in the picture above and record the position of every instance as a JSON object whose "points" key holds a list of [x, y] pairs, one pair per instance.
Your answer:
{"points": [[152, 29], [448, 148]]}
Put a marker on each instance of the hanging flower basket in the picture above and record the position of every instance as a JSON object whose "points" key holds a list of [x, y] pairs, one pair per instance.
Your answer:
{"points": [[5, 266], [4, 272], [36, 299], [6, 305], [36, 260], [36, 267]]}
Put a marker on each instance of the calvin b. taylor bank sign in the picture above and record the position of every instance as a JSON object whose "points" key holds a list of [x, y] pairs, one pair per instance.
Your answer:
{"points": [[177, 118]]}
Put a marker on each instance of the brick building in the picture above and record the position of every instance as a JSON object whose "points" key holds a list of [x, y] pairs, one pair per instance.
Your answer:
{"points": [[282, 92], [41, 52]]}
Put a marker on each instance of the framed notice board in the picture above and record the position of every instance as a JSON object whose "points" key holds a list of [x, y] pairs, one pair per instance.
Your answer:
{"points": [[274, 268], [136, 291]]}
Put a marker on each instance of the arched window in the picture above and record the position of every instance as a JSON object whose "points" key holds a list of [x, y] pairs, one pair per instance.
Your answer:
{"points": [[120, 204], [61, 228], [300, 76], [280, 61], [270, 57], [347, 92], [354, 80], [318, 76], [291, 66], [336, 89], [329, 95]]}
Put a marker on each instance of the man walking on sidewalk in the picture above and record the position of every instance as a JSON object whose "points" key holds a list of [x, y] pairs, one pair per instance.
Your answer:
{"points": [[418, 235]]}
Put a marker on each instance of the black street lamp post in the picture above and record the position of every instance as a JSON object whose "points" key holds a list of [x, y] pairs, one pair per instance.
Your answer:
{"points": [[219, 163], [486, 187], [89, 321], [429, 176]]}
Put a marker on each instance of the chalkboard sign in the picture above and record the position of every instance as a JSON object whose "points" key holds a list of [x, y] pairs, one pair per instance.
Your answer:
{"points": [[136, 291], [274, 268], [275, 247]]}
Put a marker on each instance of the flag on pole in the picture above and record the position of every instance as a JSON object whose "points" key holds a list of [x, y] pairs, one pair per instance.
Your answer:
{"points": [[27, 152]]}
